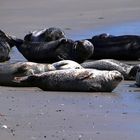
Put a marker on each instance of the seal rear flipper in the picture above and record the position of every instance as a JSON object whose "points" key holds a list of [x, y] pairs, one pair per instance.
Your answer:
{"points": [[60, 64], [26, 80]]}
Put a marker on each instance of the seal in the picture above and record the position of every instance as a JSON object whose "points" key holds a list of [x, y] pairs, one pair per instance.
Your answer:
{"points": [[9, 71], [124, 47], [138, 78], [5, 47], [128, 71], [53, 51], [6, 38], [4, 51], [45, 35], [82, 80], [66, 64]]}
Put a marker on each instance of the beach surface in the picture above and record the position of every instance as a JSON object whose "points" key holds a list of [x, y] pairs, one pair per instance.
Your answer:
{"points": [[33, 114]]}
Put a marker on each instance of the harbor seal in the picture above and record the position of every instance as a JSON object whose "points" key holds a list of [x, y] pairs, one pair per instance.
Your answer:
{"points": [[66, 64], [4, 51], [124, 47], [138, 78], [45, 35], [81, 80], [9, 71], [5, 46], [128, 71], [53, 51]]}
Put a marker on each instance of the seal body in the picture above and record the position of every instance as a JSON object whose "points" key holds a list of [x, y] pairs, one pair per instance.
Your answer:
{"points": [[126, 70], [66, 64], [5, 46], [138, 78], [53, 51], [74, 80], [45, 35], [9, 71], [125, 47], [4, 51]]}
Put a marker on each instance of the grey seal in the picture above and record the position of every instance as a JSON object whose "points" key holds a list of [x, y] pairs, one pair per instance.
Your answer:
{"points": [[45, 35], [138, 78], [121, 47], [4, 51], [5, 46], [128, 71], [81, 80], [53, 51], [9, 71]]}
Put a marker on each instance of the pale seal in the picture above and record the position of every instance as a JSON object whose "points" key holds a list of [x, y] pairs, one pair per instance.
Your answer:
{"points": [[123, 47], [66, 64], [9, 71], [128, 71], [45, 35], [74, 80]]}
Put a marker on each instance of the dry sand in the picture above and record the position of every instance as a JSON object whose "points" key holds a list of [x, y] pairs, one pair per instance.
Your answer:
{"points": [[31, 114]]}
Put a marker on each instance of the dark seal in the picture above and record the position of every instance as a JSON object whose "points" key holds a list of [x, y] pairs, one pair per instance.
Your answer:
{"points": [[5, 46], [124, 47], [53, 51]]}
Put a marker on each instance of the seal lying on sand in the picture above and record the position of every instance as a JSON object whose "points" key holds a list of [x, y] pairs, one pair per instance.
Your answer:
{"points": [[66, 64], [124, 47], [138, 78], [9, 71], [45, 35], [53, 51], [5, 46], [74, 80], [128, 71], [4, 51]]}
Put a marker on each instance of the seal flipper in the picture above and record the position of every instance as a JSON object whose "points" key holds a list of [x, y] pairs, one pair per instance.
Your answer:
{"points": [[84, 75], [26, 80]]}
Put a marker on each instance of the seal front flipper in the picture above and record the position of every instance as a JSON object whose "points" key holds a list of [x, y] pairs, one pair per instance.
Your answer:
{"points": [[84, 75]]}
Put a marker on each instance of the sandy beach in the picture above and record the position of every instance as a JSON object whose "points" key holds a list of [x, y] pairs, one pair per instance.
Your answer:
{"points": [[33, 114]]}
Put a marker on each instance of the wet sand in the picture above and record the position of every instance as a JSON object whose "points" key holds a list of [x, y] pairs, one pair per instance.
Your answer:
{"points": [[33, 114]]}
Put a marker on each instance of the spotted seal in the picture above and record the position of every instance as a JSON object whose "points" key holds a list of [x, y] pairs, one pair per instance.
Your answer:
{"points": [[53, 51], [123, 47], [74, 80], [9, 71], [45, 35], [128, 71]]}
